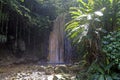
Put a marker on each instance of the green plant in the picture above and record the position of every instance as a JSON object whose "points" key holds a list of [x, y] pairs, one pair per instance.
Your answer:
{"points": [[99, 71], [108, 67], [84, 27], [84, 30], [102, 71], [105, 69], [111, 47]]}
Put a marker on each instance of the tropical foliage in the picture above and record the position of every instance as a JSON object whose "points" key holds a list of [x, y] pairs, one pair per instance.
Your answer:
{"points": [[91, 20], [111, 47], [85, 27]]}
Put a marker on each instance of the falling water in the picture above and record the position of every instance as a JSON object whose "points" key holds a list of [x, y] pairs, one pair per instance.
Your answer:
{"points": [[67, 50], [56, 41]]}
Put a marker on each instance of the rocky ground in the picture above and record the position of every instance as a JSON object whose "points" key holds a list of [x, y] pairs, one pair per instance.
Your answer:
{"points": [[31, 68], [37, 72]]}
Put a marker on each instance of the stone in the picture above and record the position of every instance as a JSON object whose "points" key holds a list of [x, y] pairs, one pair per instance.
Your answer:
{"points": [[61, 69], [73, 78], [75, 68], [49, 70], [53, 77], [35, 74], [60, 77], [41, 69]]}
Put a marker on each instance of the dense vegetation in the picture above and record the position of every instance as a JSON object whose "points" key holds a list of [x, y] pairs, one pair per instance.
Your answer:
{"points": [[95, 30], [93, 26]]}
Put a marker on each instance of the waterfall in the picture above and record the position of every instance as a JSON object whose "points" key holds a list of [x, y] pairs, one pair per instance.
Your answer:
{"points": [[67, 50], [56, 41]]}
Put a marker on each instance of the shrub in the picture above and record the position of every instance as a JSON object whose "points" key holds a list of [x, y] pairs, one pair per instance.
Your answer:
{"points": [[111, 46]]}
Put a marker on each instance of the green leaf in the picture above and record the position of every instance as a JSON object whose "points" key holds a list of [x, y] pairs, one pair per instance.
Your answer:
{"points": [[109, 66], [116, 76], [94, 76], [22, 0], [111, 1], [101, 77], [107, 77], [72, 25]]}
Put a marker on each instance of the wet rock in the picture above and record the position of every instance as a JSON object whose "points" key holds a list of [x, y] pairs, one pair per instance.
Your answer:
{"points": [[37, 72], [61, 77], [49, 70], [41, 68], [28, 76], [19, 61], [61, 69], [42, 62], [52, 77], [73, 78], [75, 68], [55, 78]]}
